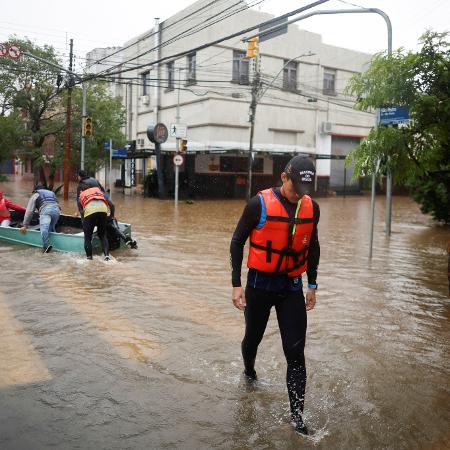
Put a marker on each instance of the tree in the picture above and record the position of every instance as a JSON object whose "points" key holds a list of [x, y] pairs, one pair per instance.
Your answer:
{"points": [[108, 117], [33, 107], [418, 155], [29, 97]]}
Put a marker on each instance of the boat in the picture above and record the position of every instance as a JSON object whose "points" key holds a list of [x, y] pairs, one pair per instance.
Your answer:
{"points": [[69, 236]]}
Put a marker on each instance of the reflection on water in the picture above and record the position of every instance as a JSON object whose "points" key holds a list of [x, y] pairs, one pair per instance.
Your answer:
{"points": [[144, 352]]}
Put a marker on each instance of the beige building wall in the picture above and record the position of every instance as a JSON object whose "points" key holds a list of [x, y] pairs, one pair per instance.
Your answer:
{"points": [[216, 110]]}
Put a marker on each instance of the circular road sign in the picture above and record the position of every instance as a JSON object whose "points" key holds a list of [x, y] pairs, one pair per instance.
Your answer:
{"points": [[14, 51], [178, 160], [157, 133], [3, 50]]}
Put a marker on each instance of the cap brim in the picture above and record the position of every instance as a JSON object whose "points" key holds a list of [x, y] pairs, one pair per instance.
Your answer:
{"points": [[303, 188]]}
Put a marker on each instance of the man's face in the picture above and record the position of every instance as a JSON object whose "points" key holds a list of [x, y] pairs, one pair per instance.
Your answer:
{"points": [[288, 189]]}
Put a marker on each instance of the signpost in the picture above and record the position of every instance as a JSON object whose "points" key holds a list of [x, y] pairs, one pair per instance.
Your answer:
{"points": [[395, 115], [178, 130], [158, 134], [178, 161]]}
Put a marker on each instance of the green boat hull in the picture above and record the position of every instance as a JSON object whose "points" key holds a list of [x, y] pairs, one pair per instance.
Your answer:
{"points": [[71, 240]]}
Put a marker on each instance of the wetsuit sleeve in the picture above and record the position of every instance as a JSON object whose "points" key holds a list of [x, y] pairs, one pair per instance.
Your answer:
{"points": [[30, 209], [314, 247], [248, 221]]}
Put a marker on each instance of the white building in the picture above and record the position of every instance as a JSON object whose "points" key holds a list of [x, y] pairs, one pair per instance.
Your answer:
{"points": [[304, 109]]}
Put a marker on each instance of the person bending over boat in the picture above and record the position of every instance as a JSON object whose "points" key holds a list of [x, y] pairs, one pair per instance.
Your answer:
{"points": [[5, 206], [46, 203], [93, 206]]}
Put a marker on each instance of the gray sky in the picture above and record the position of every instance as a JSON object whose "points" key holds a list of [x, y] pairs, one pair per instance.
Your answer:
{"points": [[103, 23]]}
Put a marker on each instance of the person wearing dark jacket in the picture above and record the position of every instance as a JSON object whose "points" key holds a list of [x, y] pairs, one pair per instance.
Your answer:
{"points": [[46, 203], [282, 225], [93, 206]]}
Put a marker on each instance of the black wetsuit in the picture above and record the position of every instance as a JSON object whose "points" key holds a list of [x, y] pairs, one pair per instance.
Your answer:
{"points": [[265, 290]]}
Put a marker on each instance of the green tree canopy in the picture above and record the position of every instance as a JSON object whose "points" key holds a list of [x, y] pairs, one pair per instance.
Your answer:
{"points": [[33, 99], [419, 154]]}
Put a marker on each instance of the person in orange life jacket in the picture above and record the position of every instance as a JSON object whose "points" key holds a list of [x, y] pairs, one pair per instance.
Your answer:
{"points": [[46, 203], [93, 206], [5, 206], [282, 225]]}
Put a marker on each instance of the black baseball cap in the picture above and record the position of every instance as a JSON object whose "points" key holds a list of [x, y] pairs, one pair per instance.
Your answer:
{"points": [[301, 170]]}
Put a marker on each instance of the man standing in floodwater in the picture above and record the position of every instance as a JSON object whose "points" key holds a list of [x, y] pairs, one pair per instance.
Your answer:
{"points": [[282, 225]]}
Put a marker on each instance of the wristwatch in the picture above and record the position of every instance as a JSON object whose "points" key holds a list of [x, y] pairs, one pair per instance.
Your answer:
{"points": [[313, 286]]}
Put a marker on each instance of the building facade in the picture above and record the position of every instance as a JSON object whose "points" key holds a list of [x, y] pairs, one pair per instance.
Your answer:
{"points": [[302, 106]]}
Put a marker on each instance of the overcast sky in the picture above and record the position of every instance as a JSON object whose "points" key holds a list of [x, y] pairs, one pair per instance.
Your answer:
{"points": [[107, 23]]}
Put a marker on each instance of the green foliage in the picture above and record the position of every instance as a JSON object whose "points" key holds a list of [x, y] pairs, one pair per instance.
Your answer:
{"points": [[108, 117], [33, 100], [11, 135], [418, 155]]}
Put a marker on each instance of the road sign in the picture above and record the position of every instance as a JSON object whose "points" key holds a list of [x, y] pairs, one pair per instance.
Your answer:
{"points": [[178, 130], [394, 115], [3, 49], [157, 133], [14, 51], [178, 160]]}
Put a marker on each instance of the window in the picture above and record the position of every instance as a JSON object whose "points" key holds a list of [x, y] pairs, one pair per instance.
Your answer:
{"points": [[146, 83], [170, 76], [290, 76], [329, 82], [191, 77], [240, 68]]}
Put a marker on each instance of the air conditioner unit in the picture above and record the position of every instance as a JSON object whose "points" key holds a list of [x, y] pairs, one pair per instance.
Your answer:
{"points": [[140, 142], [327, 127], [145, 99]]}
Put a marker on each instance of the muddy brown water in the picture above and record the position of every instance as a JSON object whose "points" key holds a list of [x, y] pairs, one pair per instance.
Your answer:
{"points": [[144, 352]]}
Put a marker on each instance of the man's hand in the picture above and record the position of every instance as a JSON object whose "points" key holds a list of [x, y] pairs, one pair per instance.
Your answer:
{"points": [[310, 299], [23, 229], [238, 298]]}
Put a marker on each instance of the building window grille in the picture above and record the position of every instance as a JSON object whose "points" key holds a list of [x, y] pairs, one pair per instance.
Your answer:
{"points": [[146, 83], [329, 82], [290, 76], [170, 75], [240, 68], [191, 69]]}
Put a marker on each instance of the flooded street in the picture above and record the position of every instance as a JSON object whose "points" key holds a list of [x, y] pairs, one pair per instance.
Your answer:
{"points": [[144, 352]]}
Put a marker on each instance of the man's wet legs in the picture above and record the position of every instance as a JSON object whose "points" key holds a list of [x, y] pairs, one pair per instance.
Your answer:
{"points": [[256, 314], [292, 320]]}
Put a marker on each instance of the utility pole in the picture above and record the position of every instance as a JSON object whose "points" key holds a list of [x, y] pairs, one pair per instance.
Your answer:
{"points": [[83, 119], [255, 91], [68, 135], [177, 121]]}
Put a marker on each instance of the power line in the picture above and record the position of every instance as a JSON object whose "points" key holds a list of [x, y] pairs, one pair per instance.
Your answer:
{"points": [[226, 38], [196, 28]]}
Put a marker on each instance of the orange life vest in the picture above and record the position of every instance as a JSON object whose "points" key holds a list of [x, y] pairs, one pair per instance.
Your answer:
{"points": [[90, 194], [4, 211], [280, 244]]}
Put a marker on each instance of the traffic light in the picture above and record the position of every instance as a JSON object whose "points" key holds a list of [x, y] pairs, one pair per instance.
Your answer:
{"points": [[88, 126], [252, 48], [182, 145]]}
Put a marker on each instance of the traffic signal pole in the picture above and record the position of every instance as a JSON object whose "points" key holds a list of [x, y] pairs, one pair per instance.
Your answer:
{"points": [[255, 90], [68, 134]]}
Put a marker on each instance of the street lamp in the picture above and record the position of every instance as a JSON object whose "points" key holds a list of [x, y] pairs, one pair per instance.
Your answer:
{"points": [[389, 49]]}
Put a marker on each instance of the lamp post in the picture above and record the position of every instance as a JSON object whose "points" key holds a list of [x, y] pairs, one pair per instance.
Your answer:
{"points": [[389, 49]]}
